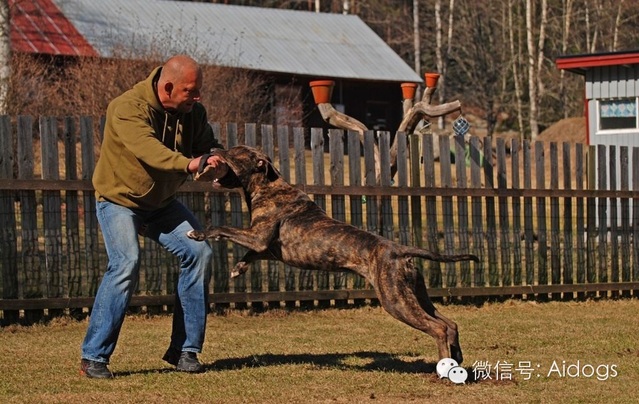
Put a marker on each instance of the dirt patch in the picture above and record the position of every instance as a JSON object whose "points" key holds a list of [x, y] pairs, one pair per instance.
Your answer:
{"points": [[567, 130]]}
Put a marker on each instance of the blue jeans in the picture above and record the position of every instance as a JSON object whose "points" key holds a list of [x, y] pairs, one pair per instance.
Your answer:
{"points": [[168, 227]]}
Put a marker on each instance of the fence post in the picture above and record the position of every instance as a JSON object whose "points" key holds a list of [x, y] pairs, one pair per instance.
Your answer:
{"points": [[568, 221], [91, 231], [432, 244], [8, 232], [317, 150], [31, 257], [491, 220], [542, 235], [52, 215]]}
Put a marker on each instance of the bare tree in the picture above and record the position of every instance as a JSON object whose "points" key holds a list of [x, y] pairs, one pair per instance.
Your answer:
{"points": [[416, 37], [5, 55], [443, 50], [535, 60], [515, 58], [479, 58], [567, 7]]}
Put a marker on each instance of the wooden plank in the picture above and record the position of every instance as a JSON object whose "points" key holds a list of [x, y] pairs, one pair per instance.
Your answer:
{"points": [[356, 201], [387, 220], [529, 232], [317, 152], [542, 233], [370, 180], [490, 212], [602, 216], [568, 230], [283, 135], [555, 228], [51, 209], [32, 261], [92, 246], [505, 248], [250, 134], [273, 267], [446, 181], [306, 280], [591, 220], [416, 200], [338, 204], [515, 156], [613, 218], [403, 211], [345, 294], [476, 210], [625, 175], [8, 230], [432, 242], [193, 186], [72, 247], [462, 209], [580, 219]]}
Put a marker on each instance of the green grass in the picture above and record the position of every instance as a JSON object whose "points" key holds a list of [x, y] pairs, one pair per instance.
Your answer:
{"points": [[351, 356]]}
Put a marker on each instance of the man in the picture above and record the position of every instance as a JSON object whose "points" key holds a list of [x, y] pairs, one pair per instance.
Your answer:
{"points": [[152, 133]]}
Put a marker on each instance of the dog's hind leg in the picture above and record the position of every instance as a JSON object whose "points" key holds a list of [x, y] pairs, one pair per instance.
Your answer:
{"points": [[452, 330], [397, 294]]}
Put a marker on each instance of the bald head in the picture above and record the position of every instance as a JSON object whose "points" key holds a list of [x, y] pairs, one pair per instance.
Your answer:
{"points": [[179, 84]]}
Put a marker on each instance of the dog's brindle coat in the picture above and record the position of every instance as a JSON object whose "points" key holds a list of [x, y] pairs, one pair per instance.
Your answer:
{"points": [[286, 225]]}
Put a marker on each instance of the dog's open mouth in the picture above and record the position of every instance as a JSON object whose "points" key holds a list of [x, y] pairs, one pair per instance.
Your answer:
{"points": [[228, 178]]}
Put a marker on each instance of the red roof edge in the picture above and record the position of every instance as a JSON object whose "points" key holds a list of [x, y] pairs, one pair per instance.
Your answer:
{"points": [[580, 63]]}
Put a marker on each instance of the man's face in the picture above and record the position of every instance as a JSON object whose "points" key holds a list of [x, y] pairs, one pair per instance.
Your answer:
{"points": [[186, 92]]}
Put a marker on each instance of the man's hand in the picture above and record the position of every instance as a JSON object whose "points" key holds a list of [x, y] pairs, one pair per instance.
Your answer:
{"points": [[208, 168]]}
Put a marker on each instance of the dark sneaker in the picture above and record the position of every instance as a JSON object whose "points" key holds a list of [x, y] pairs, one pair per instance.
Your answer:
{"points": [[188, 363], [95, 370], [183, 361]]}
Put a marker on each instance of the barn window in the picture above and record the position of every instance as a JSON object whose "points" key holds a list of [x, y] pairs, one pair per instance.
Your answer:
{"points": [[618, 114]]}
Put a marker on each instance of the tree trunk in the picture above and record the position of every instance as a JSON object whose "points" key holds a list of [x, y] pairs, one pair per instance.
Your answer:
{"points": [[416, 40], [567, 6], [440, 54], [532, 73], [5, 56], [515, 57]]}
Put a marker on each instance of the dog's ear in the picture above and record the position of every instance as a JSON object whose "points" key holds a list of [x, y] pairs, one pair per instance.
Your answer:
{"points": [[269, 169]]}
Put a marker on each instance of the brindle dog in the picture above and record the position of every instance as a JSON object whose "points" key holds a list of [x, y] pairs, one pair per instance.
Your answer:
{"points": [[286, 225]]}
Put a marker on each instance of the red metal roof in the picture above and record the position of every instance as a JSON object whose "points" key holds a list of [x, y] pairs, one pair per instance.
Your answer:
{"points": [[580, 63], [38, 26]]}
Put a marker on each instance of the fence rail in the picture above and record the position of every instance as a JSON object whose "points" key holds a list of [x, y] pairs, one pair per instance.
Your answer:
{"points": [[548, 220]]}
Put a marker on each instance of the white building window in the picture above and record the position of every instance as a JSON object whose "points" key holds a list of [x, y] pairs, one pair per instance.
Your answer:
{"points": [[618, 114]]}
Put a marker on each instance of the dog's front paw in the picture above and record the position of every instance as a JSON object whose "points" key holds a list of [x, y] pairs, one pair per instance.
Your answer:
{"points": [[196, 235], [240, 268]]}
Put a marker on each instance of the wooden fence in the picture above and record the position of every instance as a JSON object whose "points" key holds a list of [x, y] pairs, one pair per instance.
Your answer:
{"points": [[548, 220]]}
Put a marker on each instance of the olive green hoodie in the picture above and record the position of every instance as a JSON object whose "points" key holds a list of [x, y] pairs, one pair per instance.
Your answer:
{"points": [[146, 149]]}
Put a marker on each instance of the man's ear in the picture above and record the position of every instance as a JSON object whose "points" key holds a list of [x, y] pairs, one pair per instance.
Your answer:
{"points": [[168, 88]]}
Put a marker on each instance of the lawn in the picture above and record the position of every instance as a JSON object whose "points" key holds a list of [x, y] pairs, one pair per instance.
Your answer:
{"points": [[515, 352]]}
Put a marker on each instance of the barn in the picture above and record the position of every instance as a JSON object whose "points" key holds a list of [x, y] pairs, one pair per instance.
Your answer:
{"points": [[290, 48]]}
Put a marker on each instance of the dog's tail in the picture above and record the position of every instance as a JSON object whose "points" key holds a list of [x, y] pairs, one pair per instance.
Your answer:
{"points": [[421, 253]]}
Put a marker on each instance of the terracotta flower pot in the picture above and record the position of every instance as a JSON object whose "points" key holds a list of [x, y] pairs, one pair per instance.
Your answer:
{"points": [[408, 90], [322, 90], [431, 79]]}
